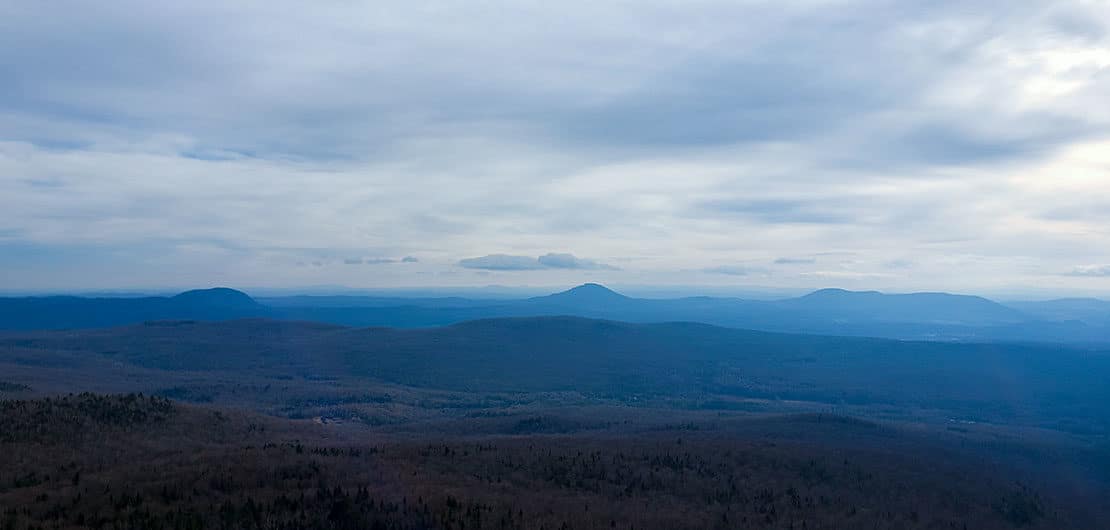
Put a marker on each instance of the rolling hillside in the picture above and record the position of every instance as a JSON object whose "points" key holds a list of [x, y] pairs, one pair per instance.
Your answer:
{"points": [[983, 382]]}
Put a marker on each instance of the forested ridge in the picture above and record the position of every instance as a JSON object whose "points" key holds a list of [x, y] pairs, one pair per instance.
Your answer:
{"points": [[144, 462]]}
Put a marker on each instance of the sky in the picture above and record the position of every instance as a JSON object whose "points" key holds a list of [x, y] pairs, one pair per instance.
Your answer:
{"points": [[902, 146]]}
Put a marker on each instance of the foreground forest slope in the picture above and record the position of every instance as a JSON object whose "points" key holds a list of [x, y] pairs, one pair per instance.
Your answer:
{"points": [[139, 462]]}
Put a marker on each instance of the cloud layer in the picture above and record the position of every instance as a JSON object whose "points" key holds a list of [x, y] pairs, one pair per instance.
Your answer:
{"points": [[151, 144], [1093, 271], [504, 262]]}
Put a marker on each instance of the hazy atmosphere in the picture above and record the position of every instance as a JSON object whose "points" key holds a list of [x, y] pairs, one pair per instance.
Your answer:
{"points": [[481, 265], [893, 145]]}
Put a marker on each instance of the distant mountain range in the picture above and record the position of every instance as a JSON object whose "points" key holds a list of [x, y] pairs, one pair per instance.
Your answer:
{"points": [[918, 316], [63, 312]]}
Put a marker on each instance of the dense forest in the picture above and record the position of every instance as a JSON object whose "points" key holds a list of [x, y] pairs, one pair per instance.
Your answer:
{"points": [[548, 423], [280, 367], [134, 461]]}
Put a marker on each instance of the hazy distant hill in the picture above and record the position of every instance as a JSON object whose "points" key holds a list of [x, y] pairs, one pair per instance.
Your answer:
{"points": [[981, 381], [918, 316], [589, 295], [1086, 310], [943, 308], [64, 312]]}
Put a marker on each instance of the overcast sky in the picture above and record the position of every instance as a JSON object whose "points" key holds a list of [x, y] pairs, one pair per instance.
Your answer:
{"points": [[910, 145]]}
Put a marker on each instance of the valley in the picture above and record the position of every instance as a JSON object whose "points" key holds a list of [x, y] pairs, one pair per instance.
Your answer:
{"points": [[543, 422]]}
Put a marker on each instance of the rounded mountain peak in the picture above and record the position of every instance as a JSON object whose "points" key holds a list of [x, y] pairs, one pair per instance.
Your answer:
{"points": [[585, 294], [592, 290], [216, 296]]}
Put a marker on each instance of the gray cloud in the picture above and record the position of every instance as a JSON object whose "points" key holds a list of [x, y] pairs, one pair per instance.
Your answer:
{"points": [[792, 75], [501, 262], [725, 132], [569, 261], [779, 210], [898, 264], [1090, 271], [504, 262], [729, 270], [379, 261], [795, 261]]}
